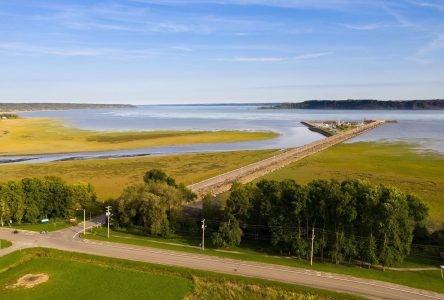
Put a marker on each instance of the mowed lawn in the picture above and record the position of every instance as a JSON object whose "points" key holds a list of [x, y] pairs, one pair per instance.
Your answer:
{"points": [[397, 164], [110, 176], [81, 276], [79, 280], [5, 244], [39, 136]]}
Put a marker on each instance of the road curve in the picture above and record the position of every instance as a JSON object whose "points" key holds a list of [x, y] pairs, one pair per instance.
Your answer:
{"points": [[68, 240]]}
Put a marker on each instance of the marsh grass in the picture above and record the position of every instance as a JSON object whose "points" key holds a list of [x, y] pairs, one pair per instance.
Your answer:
{"points": [[110, 176], [43, 136], [398, 164]]}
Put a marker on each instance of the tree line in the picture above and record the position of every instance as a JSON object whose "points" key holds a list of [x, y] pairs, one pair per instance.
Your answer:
{"points": [[362, 104], [155, 205], [350, 220], [31, 199], [8, 116]]}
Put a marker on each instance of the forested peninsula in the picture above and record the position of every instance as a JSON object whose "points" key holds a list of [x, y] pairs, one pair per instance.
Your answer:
{"points": [[8, 107], [362, 104]]}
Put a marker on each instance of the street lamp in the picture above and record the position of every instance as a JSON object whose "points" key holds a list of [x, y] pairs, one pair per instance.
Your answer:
{"points": [[108, 215], [203, 234], [84, 220]]}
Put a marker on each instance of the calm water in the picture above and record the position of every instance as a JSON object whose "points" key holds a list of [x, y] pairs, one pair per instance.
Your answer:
{"points": [[421, 127]]}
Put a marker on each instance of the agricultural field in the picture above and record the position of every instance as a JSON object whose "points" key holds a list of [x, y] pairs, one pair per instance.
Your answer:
{"points": [[110, 176], [64, 275], [398, 164], [425, 279], [43, 136]]}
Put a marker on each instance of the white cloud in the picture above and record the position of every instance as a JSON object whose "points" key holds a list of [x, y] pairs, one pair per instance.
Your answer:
{"points": [[277, 58], [399, 18], [311, 55], [312, 4], [373, 26], [426, 4], [258, 59], [434, 45], [21, 49], [182, 48]]}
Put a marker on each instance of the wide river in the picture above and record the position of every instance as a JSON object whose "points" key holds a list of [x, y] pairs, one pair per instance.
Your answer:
{"points": [[425, 128]]}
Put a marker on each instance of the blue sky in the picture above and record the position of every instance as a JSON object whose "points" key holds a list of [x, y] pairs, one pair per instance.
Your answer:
{"points": [[195, 51]]}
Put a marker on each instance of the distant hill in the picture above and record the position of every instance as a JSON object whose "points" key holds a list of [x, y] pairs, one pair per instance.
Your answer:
{"points": [[361, 104], [7, 107]]}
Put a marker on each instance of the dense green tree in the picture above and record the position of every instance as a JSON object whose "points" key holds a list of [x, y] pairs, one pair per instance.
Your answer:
{"points": [[5, 212], [353, 220], [30, 199], [154, 205], [82, 195], [12, 193], [157, 175], [35, 198], [229, 234]]}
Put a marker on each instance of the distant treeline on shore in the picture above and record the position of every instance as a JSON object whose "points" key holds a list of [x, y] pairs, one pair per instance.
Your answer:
{"points": [[8, 116], [362, 104], [7, 107]]}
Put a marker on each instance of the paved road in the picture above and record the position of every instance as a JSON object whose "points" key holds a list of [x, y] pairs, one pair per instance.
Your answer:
{"points": [[68, 240]]}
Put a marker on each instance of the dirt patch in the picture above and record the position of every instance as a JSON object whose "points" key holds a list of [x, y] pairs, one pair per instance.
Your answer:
{"points": [[29, 280]]}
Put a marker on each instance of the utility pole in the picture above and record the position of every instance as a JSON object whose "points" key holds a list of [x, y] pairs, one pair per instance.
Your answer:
{"points": [[203, 234], [312, 244], [108, 214]]}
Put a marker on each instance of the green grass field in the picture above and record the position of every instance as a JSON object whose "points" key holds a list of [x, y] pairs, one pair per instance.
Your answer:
{"points": [[79, 280], [110, 176], [428, 280], [398, 164], [5, 244], [79, 276], [38, 136]]}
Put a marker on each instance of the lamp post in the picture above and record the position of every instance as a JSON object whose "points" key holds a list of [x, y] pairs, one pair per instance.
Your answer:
{"points": [[203, 234], [108, 215]]}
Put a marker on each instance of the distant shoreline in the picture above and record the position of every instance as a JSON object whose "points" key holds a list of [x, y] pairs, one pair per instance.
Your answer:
{"points": [[436, 104], [33, 107]]}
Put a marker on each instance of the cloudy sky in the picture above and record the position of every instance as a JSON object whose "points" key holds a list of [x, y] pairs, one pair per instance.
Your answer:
{"points": [[194, 51]]}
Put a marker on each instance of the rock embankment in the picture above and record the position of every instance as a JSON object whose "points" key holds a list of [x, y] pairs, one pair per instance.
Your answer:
{"points": [[223, 182]]}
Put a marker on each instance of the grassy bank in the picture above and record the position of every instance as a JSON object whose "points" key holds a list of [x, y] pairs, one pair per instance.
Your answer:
{"points": [[427, 280], [37, 136], [5, 244], [79, 276], [110, 176], [398, 164]]}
